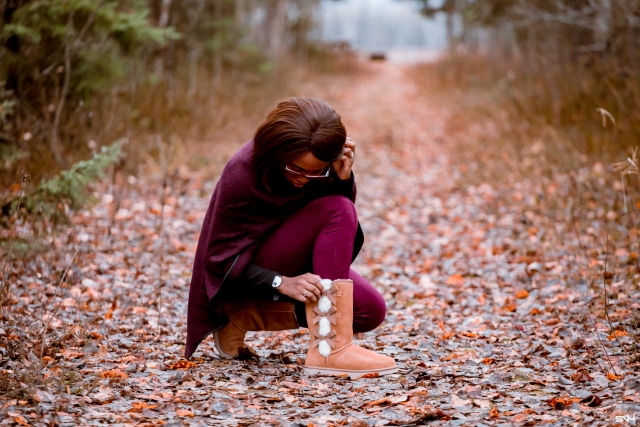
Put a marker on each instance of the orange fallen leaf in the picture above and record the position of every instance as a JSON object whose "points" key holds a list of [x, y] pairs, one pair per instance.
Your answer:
{"points": [[72, 353], [371, 375], [581, 377], [455, 279], [109, 313], [518, 418], [20, 420], [140, 406], [469, 334], [182, 364], [561, 403], [113, 373], [613, 377], [448, 335], [388, 400], [522, 294], [494, 413], [525, 259], [184, 413], [617, 333], [510, 307], [452, 356]]}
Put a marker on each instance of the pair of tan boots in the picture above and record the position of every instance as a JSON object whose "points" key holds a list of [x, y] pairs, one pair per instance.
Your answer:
{"points": [[331, 348]]}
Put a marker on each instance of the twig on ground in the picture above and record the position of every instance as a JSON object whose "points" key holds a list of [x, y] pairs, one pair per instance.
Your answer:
{"points": [[606, 300], [160, 227], [587, 313], [57, 308], [4, 287], [627, 167]]}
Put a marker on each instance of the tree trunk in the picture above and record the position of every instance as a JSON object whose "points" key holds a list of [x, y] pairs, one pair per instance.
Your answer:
{"points": [[217, 52], [277, 27]]}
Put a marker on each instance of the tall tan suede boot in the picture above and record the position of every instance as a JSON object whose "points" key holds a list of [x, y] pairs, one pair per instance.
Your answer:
{"points": [[247, 316], [332, 351]]}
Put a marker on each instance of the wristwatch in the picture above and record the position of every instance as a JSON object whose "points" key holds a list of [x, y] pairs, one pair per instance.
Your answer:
{"points": [[277, 281]]}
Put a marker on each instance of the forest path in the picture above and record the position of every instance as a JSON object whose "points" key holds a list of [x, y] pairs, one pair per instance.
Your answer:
{"points": [[489, 308]]}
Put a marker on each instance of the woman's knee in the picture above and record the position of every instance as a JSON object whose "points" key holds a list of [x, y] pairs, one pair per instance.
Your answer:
{"points": [[336, 206], [370, 313]]}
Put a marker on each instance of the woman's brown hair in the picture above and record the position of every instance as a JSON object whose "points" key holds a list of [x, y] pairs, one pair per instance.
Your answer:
{"points": [[294, 127]]}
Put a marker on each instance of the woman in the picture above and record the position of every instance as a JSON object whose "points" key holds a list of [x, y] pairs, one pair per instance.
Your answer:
{"points": [[277, 243]]}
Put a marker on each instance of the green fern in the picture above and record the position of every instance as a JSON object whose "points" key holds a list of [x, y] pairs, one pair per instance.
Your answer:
{"points": [[54, 198]]}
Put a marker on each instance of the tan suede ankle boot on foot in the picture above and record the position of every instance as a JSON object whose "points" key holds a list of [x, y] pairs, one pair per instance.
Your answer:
{"points": [[251, 316], [331, 350]]}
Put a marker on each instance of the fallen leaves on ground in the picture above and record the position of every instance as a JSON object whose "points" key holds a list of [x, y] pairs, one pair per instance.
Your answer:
{"points": [[496, 315]]}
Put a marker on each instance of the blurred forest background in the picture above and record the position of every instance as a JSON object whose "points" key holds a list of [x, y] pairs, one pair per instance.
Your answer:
{"points": [[93, 85]]}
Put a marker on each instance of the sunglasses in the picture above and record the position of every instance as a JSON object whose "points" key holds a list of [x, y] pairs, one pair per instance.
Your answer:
{"points": [[323, 175]]}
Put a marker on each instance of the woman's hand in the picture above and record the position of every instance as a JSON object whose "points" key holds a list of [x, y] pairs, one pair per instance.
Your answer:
{"points": [[305, 288], [343, 165]]}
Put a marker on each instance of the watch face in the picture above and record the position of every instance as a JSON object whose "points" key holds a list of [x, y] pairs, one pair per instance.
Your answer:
{"points": [[276, 282]]}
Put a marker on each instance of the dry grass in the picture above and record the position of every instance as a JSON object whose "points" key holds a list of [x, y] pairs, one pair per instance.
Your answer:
{"points": [[532, 122], [200, 132], [177, 120]]}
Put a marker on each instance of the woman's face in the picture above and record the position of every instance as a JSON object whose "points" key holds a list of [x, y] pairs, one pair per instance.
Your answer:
{"points": [[305, 168]]}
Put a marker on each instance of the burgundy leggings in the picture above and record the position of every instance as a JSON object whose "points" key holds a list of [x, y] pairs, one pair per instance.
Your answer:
{"points": [[318, 238]]}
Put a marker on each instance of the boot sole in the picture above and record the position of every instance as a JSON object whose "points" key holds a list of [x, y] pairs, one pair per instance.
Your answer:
{"points": [[351, 374]]}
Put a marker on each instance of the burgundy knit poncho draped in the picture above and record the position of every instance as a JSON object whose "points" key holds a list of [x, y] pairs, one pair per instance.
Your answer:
{"points": [[241, 214]]}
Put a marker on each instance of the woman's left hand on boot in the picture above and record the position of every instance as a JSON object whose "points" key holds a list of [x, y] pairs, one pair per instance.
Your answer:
{"points": [[305, 288]]}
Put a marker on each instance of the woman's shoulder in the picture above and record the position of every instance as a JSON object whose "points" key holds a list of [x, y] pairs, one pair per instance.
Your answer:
{"points": [[239, 167], [237, 181]]}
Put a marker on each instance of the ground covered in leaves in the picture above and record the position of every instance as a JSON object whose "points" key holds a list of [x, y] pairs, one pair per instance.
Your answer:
{"points": [[508, 304]]}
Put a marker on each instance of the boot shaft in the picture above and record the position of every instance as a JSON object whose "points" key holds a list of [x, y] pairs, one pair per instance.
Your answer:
{"points": [[330, 320], [331, 349], [245, 316], [261, 315]]}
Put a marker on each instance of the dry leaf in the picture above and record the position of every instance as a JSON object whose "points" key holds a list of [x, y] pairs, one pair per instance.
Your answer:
{"points": [[113, 373], [617, 333], [455, 280], [494, 413], [561, 403], [182, 364], [140, 406], [614, 377], [184, 413]]}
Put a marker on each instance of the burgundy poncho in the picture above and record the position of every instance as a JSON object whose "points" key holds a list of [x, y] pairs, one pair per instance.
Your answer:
{"points": [[240, 215]]}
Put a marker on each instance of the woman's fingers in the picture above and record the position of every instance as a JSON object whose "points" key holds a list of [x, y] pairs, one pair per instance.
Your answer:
{"points": [[350, 148], [309, 287]]}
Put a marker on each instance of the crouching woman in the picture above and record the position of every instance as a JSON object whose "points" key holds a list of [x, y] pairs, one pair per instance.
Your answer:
{"points": [[277, 244]]}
